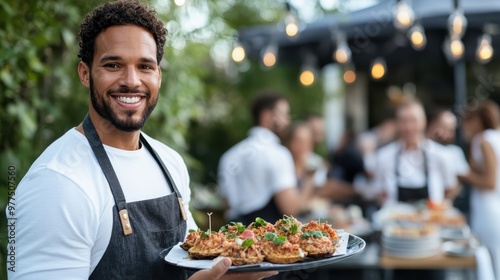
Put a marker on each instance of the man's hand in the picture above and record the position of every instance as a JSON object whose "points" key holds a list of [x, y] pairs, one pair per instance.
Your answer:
{"points": [[218, 271]]}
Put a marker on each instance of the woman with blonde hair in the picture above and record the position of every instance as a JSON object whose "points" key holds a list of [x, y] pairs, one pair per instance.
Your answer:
{"points": [[480, 124]]}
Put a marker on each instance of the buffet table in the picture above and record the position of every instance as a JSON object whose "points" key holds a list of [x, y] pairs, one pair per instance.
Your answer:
{"points": [[375, 264], [440, 261]]}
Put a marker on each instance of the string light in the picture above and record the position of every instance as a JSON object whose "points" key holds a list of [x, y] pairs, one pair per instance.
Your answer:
{"points": [[342, 53], [404, 16], [484, 52], [378, 69], [307, 77], [179, 3], [457, 23], [456, 47], [238, 54], [417, 37], [270, 56], [291, 26], [291, 21], [349, 74]]}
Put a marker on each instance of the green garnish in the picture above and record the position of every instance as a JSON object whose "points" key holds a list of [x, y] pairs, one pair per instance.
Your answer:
{"points": [[259, 222], [313, 234], [231, 235], [194, 230], [280, 240], [239, 226], [206, 233], [289, 224], [276, 239], [247, 243], [270, 236]]}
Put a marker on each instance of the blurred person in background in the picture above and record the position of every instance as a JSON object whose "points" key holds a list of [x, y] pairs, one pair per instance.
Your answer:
{"points": [[299, 140], [317, 125], [480, 125], [315, 158], [347, 160], [414, 167], [442, 129], [382, 134], [257, 176], [367, 143]]}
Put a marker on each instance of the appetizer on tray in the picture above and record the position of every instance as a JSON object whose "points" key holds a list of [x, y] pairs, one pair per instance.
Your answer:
{"points": [[208, 246], [260, 227], [191, 239], [279, 250], [285, 242], [243, 249], [289, 227]]}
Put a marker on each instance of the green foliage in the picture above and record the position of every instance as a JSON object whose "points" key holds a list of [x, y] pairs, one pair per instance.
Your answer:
{"points": [[202, 110], [40, 92]]}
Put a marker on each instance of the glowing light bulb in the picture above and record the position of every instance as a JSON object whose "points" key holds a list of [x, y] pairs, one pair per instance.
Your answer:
{"points": [[457, 23], [378, 69], [484, 52], [404, 16], [179, 2], [349, 76], [342, 53], [238, 54], [417, 37], [270, 56], [456, 47], [307, 77], [291, 25]]}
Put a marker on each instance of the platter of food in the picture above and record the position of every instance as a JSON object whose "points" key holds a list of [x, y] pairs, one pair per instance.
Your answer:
{"points": [[283, 246]]}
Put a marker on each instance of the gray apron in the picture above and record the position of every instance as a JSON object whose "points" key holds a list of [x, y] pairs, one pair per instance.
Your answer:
{"points": [[142, 229]]}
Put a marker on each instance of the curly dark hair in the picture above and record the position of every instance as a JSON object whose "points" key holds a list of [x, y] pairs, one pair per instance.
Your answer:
{"points": [[121, 12]]}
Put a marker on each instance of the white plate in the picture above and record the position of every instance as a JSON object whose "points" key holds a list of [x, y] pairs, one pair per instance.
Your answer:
{"points": [[455, 233], [349, 246], [458, 250], [412, 255]]}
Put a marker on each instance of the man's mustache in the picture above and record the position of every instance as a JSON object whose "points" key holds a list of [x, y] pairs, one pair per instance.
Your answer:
{"points": [[128, 90]]}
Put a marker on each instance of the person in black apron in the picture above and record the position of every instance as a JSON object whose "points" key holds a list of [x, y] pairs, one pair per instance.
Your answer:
{"points": [[142, 229], [412, 194], [408, 195]]}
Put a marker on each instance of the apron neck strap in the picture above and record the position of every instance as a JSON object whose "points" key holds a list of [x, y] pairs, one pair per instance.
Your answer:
{"points": [[426, 168], [109, 173]]}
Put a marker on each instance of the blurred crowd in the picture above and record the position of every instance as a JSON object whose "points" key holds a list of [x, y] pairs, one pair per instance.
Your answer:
{"points": [[409, 156]]}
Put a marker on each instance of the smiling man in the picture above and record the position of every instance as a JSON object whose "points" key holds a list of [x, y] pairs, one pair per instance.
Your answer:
{"points": [[104, 200]]}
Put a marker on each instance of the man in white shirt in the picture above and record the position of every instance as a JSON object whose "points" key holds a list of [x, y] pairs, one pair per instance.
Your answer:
{"points": [[257, 176], [105, 200], [442, 129], [414, 167]]}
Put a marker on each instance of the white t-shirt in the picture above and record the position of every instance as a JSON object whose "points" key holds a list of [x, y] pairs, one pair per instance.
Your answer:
{"points": [[457, 157], [252, 171], [412, 170], [64, 205]]}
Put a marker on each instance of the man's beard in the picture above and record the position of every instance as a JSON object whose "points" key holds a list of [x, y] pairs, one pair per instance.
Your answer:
{"points": [[105, 111]]}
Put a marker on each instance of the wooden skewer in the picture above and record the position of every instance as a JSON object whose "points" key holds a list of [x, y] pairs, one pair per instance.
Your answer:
{"points": [[210, 222]]}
